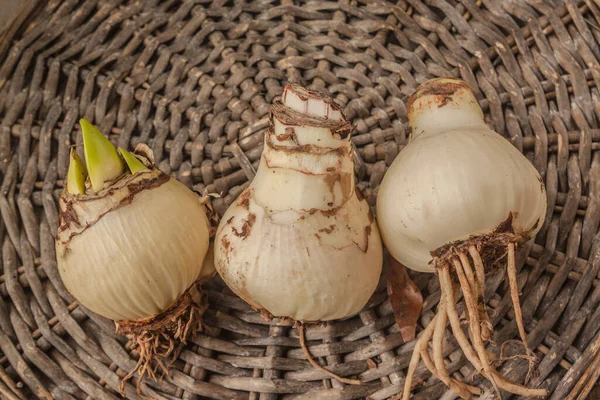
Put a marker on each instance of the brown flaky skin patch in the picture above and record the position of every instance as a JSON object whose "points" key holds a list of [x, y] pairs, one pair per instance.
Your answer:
{"points": [[160, 339], [285, 321], [442, 90], [290, 118], [75, 218]]}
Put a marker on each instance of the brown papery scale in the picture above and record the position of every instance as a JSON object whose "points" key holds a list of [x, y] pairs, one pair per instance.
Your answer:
{"points": [[457, 201]]}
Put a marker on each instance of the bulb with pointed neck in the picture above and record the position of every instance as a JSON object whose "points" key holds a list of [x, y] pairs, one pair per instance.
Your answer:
{"points": [[300, 242], [307, 159]]}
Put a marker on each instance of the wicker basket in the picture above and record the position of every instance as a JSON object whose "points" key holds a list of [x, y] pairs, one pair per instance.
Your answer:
{"points": [[195, 79]]}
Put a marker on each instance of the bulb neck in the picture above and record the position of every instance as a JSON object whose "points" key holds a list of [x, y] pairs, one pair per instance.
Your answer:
{"points": [[441, 105], [307, 159]]}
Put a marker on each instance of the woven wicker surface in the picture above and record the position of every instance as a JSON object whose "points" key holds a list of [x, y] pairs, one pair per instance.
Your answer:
{"points": [[195, 79]]}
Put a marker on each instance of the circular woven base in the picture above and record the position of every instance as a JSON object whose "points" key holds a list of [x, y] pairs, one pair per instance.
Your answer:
{"points": [[195, 79]]}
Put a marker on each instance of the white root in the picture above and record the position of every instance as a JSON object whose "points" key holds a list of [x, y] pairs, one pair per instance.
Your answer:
{"points": [[416, 357], [472, 287], [479, 272], [464, 259], [438, 354], [461, 338], [486, 325]]}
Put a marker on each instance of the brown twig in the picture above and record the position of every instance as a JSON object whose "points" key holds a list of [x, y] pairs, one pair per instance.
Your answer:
{"points": [[586, 381], [11, 384], [6, 393]]}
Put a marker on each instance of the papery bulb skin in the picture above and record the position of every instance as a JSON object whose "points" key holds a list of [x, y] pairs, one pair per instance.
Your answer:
{"points": [[131, 250], [455, 178], [300, 242]]}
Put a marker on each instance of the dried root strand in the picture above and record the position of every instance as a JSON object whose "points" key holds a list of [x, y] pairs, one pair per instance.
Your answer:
{"points": [[470, 354], [462, 389], [486, 325], [420, 347], [471, 275], [474, 326], [162, 337], [318, 366], [511, 271]]}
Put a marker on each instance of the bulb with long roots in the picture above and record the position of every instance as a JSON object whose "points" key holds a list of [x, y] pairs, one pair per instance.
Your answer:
{"points": [[458, 200]]}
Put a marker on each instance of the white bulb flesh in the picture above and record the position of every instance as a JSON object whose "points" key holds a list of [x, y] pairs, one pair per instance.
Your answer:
{"points": [[454, 180], [137, 259], [309, 267]]}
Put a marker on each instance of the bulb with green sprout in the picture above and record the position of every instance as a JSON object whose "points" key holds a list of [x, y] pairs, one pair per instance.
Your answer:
{"points": [[131, 244]]}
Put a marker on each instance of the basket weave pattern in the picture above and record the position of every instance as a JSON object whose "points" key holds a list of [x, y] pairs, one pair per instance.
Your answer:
{"points": [[195, 79]]}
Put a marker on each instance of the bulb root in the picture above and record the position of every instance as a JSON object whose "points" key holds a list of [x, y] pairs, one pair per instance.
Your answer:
{"points": [[316, 365], [474, 326], [511, 271], [468, 265], [420, 347], [441, 372], [479, 289], [162, 337]]}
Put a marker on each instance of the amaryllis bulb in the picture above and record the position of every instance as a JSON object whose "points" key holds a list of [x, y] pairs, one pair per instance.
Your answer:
{"points": [[457, 201], [455, 178], [300, 242], [131, 249]]}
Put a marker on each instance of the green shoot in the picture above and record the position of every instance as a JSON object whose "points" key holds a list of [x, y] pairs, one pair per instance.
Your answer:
{"points": [[103, 161], [132, 162], [76, 174]]}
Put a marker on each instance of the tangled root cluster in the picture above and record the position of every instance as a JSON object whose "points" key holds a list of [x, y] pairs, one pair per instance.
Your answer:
{"points": [[160, 339], [467, 263]]}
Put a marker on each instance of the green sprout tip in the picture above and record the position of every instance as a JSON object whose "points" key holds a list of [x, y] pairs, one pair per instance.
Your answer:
{"points": [[103, 161], [76, 174], [132, 161]]}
